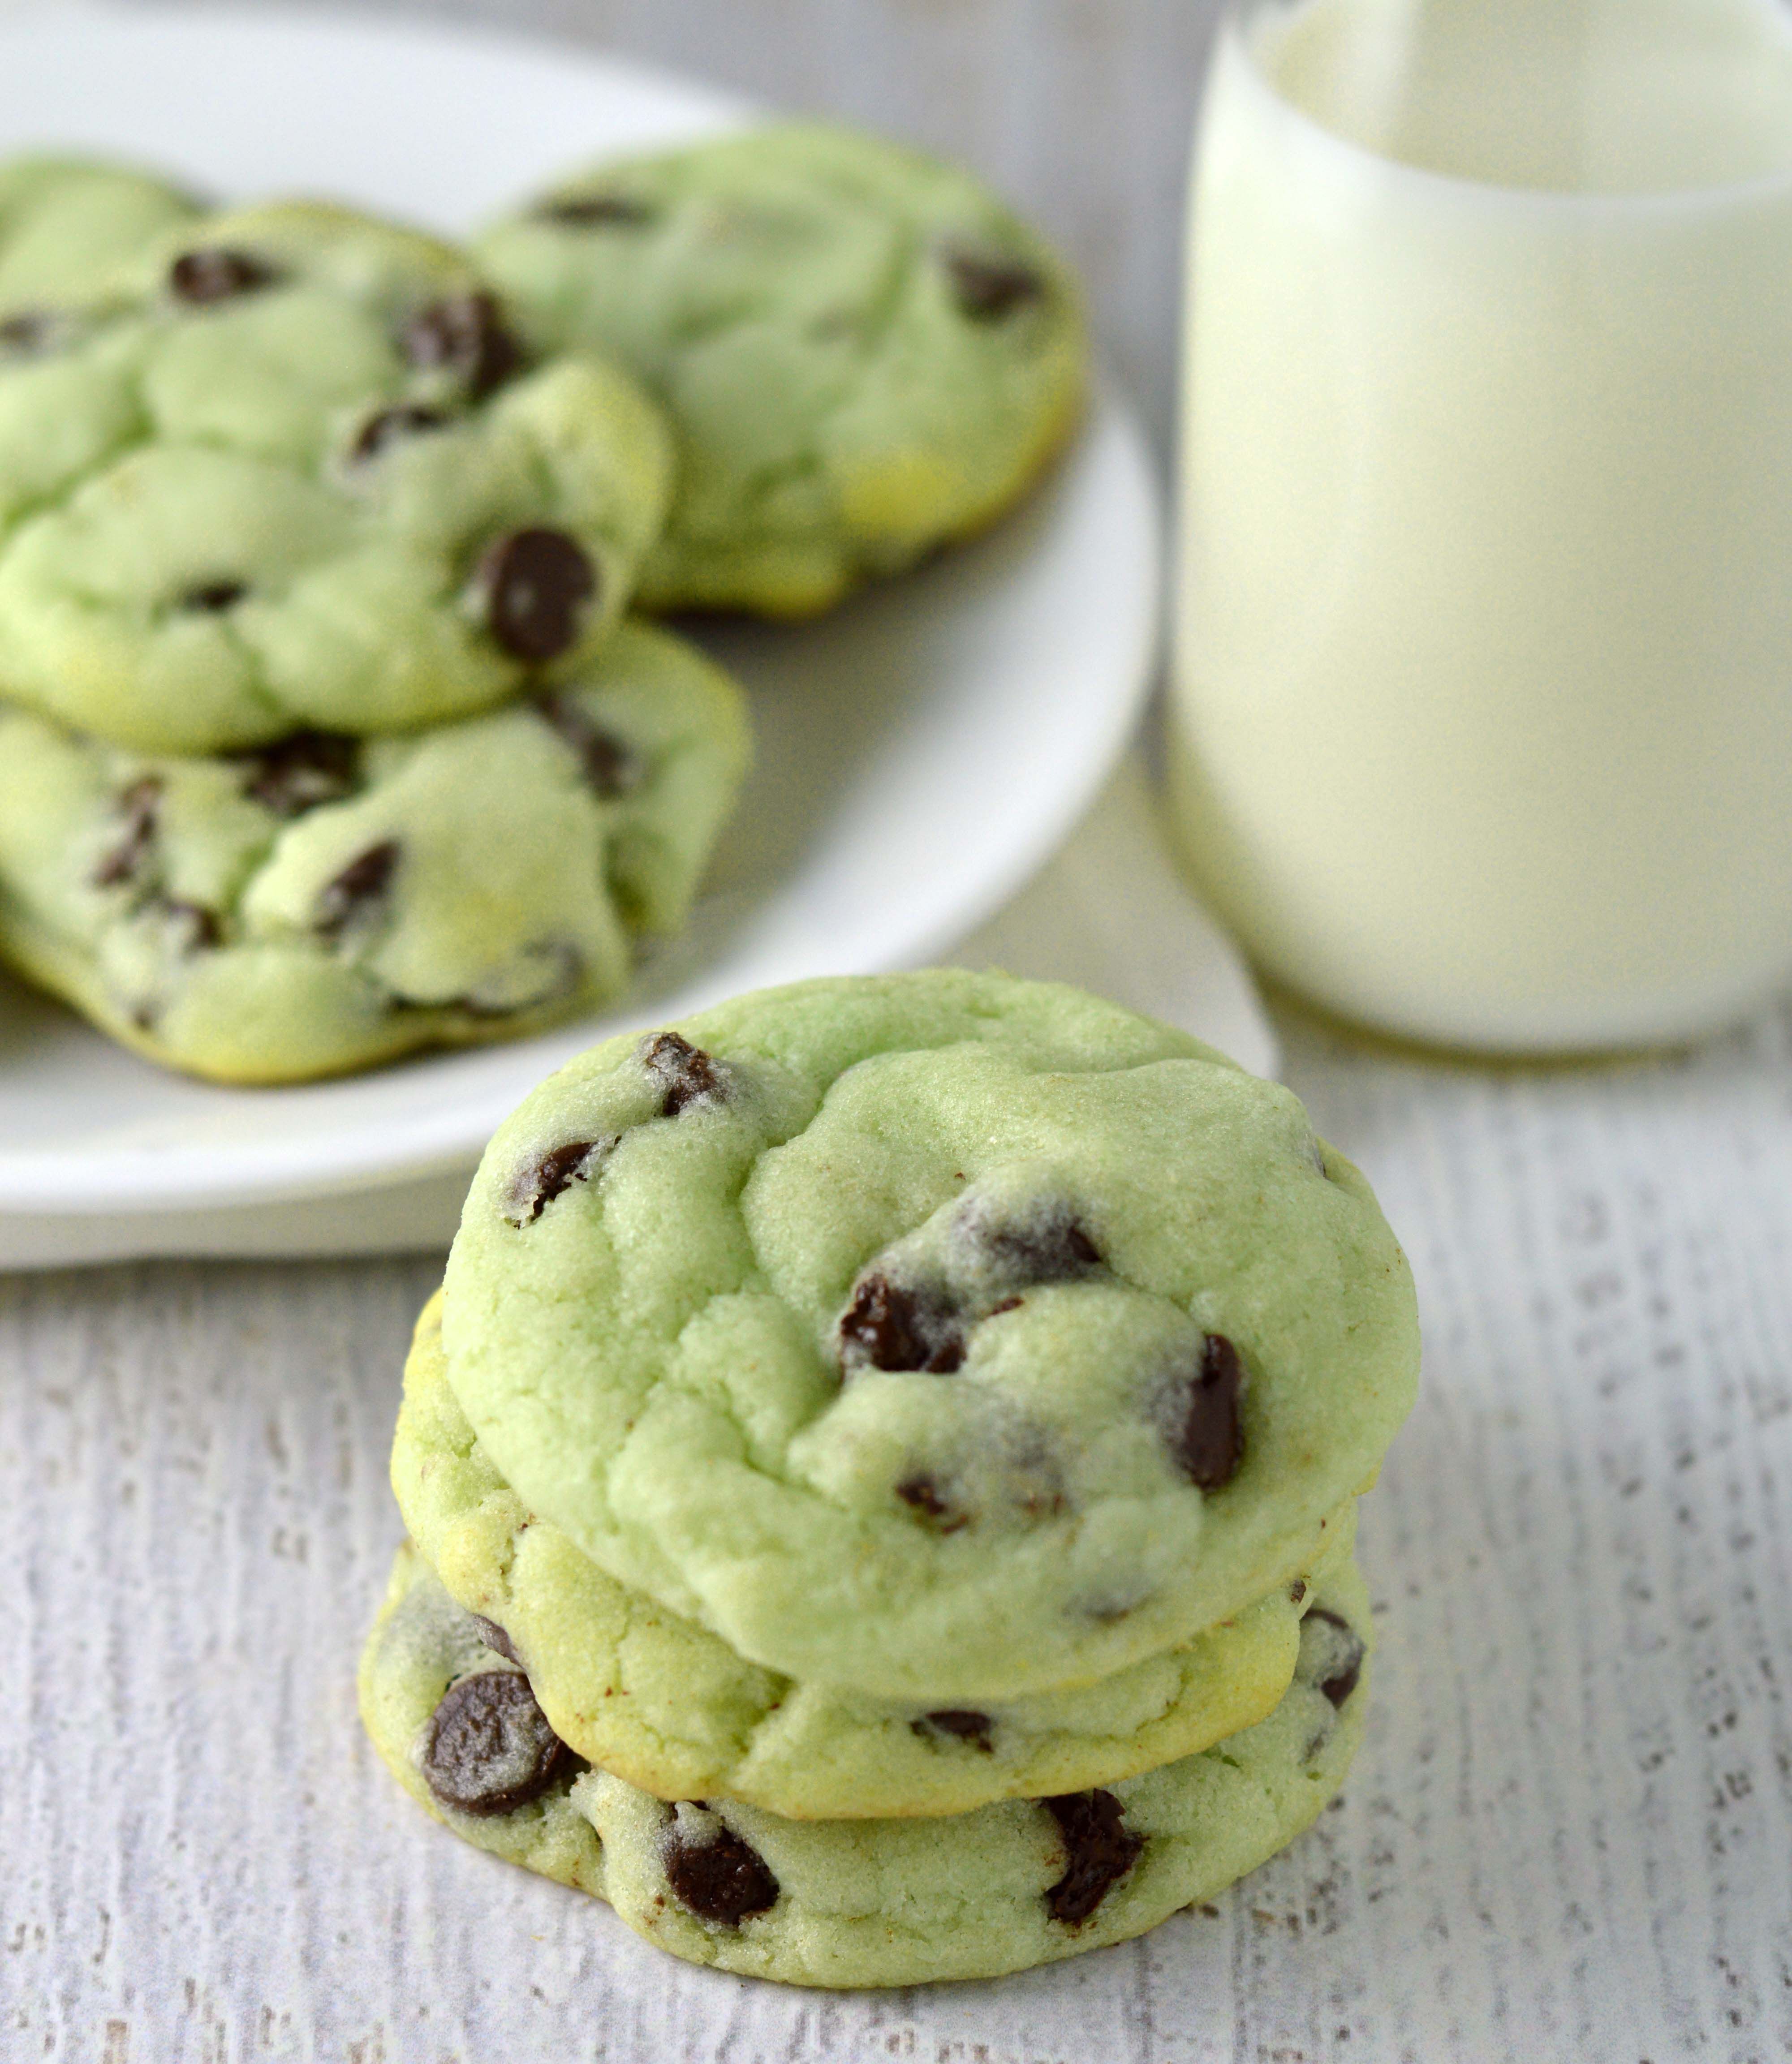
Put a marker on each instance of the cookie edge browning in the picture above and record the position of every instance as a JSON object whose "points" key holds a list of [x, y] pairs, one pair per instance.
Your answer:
{"points": [[50, 965], [64, 968], [471, 1547], [750, 1947], [670, 580], [1140, 1900]]}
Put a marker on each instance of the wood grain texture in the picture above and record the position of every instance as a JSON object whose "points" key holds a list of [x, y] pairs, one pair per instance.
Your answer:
{"points": [[1569, 1837]]}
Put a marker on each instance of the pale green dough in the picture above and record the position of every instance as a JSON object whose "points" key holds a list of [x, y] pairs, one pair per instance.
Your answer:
{"points": [[67, 223], [894, 1902], [199, 550], [209, 913], [657, 1700], [421, 1643], [651, 1356], [865, 353]]}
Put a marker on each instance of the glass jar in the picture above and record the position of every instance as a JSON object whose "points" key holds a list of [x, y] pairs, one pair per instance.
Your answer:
{"points": [[1482, 717]]}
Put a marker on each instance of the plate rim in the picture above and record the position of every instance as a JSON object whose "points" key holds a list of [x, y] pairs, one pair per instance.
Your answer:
{"points": [[52, 1183]]}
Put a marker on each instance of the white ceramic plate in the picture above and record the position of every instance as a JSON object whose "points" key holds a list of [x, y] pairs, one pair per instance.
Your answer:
{"points": [[921, 751]]}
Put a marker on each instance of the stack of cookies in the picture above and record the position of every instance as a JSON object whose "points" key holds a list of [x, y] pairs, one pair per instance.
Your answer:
{"points": [[323, 734], [880, 1476]]}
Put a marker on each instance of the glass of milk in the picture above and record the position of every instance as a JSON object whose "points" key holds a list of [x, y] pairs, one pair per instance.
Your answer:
{"points": [[1482, 721]]}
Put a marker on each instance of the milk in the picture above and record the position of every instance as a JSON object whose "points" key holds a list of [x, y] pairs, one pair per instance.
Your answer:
{"points": [[1482, 723]]}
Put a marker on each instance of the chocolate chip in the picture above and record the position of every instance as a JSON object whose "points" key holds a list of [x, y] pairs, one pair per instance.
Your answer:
{"points": [[563, 968], [610, 767], [489, 1749], [465, 334], [32, 330], [598, 210], [363, 880], [689, 1074], [1339, 1686], [298, 773], [1205, 1433], [214, 596], [1296, 1590], [1111, 1611], [1099, 1852], [202, 276], [895, 1326], [408, 420], [192, 928], [988, 286], [976, 1728], [536, 1185], [924, 1495], [1333, 1652], [720, 1879], [138, 806], [1048, 1246], [535, 582], [495, 1638]]}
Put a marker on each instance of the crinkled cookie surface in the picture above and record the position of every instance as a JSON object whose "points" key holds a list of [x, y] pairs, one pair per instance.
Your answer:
{"points": [[66, 226], [295, 469], [658, 1700], [937, 1337], [865, 354], [324, 902], [866, 1902]]}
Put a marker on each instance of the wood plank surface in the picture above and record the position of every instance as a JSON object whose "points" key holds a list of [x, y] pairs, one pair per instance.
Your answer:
{"points": [[1569, 1835]]}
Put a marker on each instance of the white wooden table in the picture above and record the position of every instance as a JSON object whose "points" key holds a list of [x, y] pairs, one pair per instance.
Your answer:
{"points": [[1569, 1837], [1570, 1834]]}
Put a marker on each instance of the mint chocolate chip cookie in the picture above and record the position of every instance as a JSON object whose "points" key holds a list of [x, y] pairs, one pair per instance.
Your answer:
{"points": [[656, 1699], [300, 471], [865, 354], [847, 1903], [321, 902], [941, 1337], [67, 224]]}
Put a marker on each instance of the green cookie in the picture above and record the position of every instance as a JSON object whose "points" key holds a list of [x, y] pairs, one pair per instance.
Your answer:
{"points": [[655, 1699], [300, 472], [322, 903], [940, 1336], [856, 1902], [864, 352], [65, 225]]}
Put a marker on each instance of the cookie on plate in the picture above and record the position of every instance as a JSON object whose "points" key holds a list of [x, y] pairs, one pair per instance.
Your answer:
{"points": [[301, 471], [864, 352], [940, 1337], [322, 902], [658, 1700], [847, 1903], [66, 226]]}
